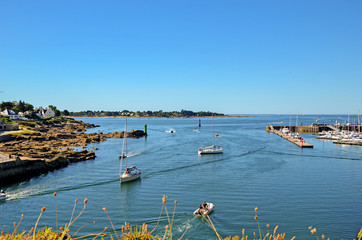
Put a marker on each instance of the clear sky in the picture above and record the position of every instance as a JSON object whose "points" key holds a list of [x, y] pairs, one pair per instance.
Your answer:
{"points": [[233, 56]]}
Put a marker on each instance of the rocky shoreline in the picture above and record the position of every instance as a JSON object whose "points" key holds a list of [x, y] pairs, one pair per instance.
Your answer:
{"points": [[49, 147]]}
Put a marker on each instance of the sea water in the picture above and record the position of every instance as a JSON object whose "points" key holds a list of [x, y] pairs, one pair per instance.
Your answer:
{"points": [[293, 188]]}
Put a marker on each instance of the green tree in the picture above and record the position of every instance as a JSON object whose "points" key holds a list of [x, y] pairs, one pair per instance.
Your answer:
{"points": [[57, 113], [6, 105], [65, 112]]}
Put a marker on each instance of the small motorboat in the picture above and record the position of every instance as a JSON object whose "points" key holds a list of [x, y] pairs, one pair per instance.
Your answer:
{"points": [[122, 155], [204, 209], [170, 131], [131, 173], [2, 195]]}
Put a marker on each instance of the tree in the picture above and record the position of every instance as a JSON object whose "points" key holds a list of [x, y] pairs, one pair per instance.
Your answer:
{"points": [[57, 113], [29, 107], [53, 107], [65, 112], [6, 105]]}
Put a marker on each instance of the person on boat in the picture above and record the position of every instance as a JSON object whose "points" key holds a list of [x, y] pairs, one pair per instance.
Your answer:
{"points": [[126, 171], [204, 205]]}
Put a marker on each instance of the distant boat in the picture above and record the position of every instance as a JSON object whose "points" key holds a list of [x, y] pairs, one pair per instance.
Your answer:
{"points": [[131, 173], [2, 195], [211, 149], [204, 209], [170, 131]]}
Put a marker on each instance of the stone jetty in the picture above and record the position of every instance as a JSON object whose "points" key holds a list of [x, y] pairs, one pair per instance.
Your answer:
{"points": [[299, 142]]}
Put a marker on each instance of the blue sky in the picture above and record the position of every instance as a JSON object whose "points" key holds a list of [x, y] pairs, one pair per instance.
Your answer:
{"points": [[230, 56]]}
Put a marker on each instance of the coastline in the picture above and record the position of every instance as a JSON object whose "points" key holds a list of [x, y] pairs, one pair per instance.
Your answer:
{"points": [[23, 156], [151, 117]]}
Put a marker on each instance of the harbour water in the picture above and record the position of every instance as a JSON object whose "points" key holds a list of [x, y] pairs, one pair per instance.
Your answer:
{"points": [[292, 187]]}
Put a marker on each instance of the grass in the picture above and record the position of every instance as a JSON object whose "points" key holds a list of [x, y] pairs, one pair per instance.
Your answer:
{"points": [[136, 233], [23, 132]]}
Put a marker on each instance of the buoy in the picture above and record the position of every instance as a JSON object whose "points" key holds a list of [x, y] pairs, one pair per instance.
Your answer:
{"points": [[199, 122]]}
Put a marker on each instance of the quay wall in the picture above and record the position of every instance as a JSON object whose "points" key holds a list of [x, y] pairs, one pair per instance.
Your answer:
{"points": [[302, 129], [13, 171]]}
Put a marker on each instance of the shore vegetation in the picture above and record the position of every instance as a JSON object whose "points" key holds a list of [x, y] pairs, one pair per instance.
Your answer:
{"points": [[160, 113], [129, 232]]}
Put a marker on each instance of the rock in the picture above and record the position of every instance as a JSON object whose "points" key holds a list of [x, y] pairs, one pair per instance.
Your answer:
{"points": [[138, 133]]}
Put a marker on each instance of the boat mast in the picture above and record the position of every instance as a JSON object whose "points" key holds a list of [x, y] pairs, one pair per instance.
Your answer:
{"points": [[348, 123], [296, 124], [124, 139], [213, 130], [125, 136], [359, 123]]}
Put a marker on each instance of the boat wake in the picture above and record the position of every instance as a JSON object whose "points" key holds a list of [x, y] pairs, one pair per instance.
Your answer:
{"points": [[22, 193], [202, 163], [132, 154], [316, 156]]}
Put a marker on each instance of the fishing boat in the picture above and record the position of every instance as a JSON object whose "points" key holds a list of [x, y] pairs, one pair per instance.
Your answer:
{"points": [[204, 209], [211, 149], [2, 195], [131, 173]]}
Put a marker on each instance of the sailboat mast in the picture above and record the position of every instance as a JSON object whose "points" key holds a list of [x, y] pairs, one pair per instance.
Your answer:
{"points": [[213, 130], [359, 123], [126, 141], [296, 123]]}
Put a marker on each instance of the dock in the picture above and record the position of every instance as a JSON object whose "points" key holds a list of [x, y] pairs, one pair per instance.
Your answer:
{"points": [[299, 142], [348, 142]]}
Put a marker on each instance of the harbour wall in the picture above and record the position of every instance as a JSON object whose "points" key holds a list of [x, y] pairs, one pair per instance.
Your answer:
{"points": [[302, 129]]}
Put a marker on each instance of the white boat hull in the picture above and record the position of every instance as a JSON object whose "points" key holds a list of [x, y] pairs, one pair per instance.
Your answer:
{"points": [[210, 207], [129, 177], [2, 196], [210, 150]]}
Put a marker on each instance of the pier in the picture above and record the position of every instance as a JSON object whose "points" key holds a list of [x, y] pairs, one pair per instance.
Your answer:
{"points": [[299, 142]]}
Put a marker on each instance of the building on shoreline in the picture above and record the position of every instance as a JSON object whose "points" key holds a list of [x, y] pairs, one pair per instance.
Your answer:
{"points": [[8, 126], [11, 113]]}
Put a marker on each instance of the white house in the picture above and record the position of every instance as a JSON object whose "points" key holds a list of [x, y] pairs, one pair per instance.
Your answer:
{"points": [[11, 113], [49, 113]]}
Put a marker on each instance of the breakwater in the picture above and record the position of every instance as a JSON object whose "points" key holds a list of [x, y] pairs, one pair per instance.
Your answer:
{"points": [[299, 142]]}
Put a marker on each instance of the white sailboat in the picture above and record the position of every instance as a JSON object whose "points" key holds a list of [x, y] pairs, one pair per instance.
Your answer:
{"points": [[211, 149], [131, 173]]}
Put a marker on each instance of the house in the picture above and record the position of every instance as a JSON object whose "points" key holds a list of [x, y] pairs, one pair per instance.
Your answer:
{"points": [[47, 112], [11, 113]]}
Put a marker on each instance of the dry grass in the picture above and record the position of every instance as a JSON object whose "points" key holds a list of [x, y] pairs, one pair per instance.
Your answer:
{"points": [[134, 233]]}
